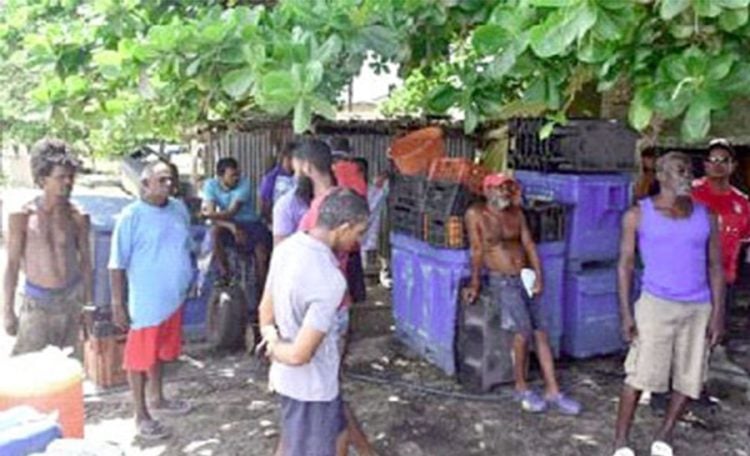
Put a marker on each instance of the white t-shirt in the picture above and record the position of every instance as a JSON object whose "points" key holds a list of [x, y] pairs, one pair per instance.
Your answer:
{"points": [[307, 288]]}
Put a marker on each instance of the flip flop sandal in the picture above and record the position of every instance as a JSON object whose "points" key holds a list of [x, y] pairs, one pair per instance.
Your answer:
{"points": [[152, 430], [624, 451], [659, 448], [172, 407]]}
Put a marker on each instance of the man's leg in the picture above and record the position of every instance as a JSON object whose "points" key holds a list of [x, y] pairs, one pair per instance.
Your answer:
{"points": [[547, 363], [520, 359], [260, 256], [674, 412], [342, 445], [217, 239], [137, 381], [355, 435], [626, 410], [155, 388]]}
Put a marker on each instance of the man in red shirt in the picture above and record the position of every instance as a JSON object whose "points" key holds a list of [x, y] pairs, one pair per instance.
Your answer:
{"points": [[730, 205]]}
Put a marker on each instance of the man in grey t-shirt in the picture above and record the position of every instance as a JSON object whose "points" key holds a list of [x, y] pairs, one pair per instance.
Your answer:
{"points": [[306, 287]]}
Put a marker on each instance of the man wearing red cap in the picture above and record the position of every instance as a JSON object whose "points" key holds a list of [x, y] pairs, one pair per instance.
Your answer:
{"points": [[501, 243]]}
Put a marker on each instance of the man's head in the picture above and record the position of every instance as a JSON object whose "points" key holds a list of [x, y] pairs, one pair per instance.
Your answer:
{"points": [[648, 161], [315, 156], [721, 159], [285, 156], [53, 167], [343, 214], [674, 171], [501, 191], [228, 172], [156, 182], [340, 146]]}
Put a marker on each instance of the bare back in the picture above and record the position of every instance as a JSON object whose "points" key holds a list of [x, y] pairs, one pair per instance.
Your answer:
{"points": [[53, 244], [499, 235]]}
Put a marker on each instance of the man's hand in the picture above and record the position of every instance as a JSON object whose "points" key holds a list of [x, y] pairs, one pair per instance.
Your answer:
{"points": [[629, 330], [715, 332], [240, 237], [269, 336], [120, 317], [11, 322], [470, 293], [538, 287]]}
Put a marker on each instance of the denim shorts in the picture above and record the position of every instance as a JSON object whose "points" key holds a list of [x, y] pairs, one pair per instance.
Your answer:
{"points": [[311, 428], [519, 313]]}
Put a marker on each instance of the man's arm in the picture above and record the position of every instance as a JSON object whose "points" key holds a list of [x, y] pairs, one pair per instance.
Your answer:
{"points": [[300, 351], [117, 280], [625, 266], [531, 254], [718, 286], [16, 242], [83, 225], [473, 220]]}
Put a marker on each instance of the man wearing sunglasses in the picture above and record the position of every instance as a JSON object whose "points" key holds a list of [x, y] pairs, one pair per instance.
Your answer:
{"points": [[730, 205]]}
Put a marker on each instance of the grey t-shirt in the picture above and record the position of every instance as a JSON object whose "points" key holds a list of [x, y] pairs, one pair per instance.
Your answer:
{"points": [[307, 288]]}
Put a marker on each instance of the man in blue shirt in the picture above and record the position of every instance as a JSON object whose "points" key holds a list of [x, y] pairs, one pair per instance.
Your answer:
{"points": [[228, 203], [150, 252]]}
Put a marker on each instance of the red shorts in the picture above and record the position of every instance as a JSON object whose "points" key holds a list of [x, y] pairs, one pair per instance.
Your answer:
{"points": [[146, 346]]}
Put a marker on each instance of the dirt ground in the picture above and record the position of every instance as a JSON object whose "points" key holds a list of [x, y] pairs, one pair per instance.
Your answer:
{"points": [[409, 408]]}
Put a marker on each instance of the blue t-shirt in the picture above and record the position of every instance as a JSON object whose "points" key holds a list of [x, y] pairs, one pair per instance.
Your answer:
{"points": [[153, 244], [213, 191]]}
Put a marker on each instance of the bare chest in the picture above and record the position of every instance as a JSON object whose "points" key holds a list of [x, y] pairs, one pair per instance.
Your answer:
{"points": [[500, 228], [56, 230]]}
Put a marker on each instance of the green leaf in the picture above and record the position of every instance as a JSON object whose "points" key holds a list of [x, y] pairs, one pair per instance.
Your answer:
{"points": [[302, 116], [192, 69], [732, 4], [471, 120], [380, 39], [731, 20], [278, 93], [108, 62], [236, 83], [313, 76], [324, 108], [720, 66], [560, 29], [546, 130], [671, 8], [706, 8], [640, 113], [487, 39], [442, 98], [697, 120], [330, 49]]}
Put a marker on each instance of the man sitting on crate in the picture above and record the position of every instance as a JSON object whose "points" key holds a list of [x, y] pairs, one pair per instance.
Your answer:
{"points": [[680, 312], [49, 238], [501, 242], [228, 203]]}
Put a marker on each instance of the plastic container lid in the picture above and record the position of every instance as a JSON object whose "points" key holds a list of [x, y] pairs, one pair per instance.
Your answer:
{"points": [[39, 373]]}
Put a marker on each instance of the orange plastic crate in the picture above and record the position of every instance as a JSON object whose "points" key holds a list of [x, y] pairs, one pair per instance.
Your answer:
{"points": [[459, 170], [413, 153]]}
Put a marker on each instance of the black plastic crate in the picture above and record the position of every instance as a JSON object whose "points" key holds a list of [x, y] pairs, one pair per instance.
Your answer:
{"points": [[547, 221], [447, 198], [406, 220], [581, 145], [407, 186], [483, 349], [448, 232]]}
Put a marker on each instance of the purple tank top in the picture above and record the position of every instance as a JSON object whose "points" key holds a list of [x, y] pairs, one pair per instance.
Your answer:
{"points": [[675, 254]]}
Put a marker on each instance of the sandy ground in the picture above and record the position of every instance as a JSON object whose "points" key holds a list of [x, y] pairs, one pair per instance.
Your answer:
{"points": [[406, 406]]}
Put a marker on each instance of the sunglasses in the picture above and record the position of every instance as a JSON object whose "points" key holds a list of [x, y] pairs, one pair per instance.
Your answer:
{"points": [[718, 160]]}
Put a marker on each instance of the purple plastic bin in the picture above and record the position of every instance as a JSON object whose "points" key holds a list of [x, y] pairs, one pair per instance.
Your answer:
{"points": [[552, 257], [598, 201], [426, 284], [591, 318]]}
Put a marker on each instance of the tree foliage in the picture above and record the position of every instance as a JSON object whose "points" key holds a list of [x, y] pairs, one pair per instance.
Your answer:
{"points": [[108, 73]]}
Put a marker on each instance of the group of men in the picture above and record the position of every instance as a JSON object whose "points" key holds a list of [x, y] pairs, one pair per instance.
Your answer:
{"points": [[318, 214]]}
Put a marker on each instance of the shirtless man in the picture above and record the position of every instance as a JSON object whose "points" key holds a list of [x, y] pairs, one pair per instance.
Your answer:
{"points": [[501, 242], [50, 238]]}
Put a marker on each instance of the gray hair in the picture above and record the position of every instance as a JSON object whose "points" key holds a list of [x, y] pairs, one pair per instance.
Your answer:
{"points": [[48, 153], [342, 206], [669, 157]]}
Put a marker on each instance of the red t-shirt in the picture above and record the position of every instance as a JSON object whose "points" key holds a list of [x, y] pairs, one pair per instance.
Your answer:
{"points": [[732, 210], [349, 175]]}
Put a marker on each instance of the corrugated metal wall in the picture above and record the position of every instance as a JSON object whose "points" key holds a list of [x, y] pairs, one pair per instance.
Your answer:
{"points": [[255, 143]]}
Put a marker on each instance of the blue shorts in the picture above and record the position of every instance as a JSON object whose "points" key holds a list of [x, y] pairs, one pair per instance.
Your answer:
{"points": [[519, 313], [311, 428]]}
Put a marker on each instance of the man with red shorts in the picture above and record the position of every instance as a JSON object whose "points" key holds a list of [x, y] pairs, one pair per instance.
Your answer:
{"points": [[151, 247]]}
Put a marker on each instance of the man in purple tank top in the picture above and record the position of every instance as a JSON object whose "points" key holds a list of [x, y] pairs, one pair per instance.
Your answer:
{"points": [[679, 315]]}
